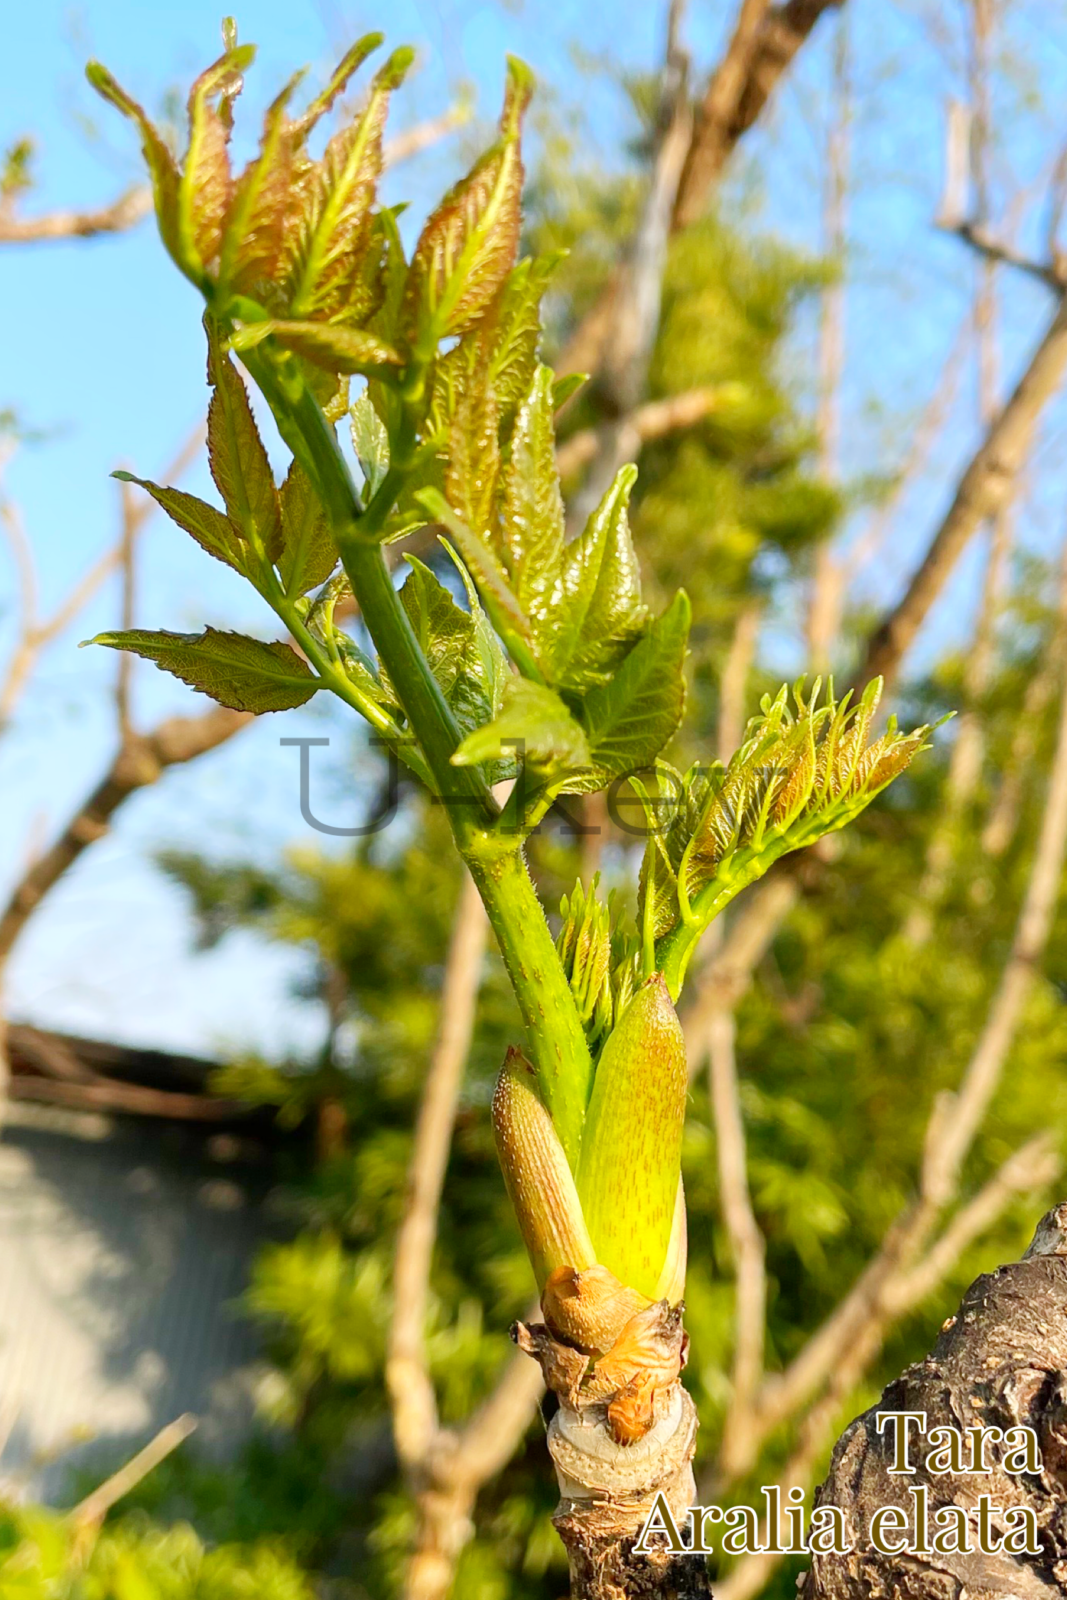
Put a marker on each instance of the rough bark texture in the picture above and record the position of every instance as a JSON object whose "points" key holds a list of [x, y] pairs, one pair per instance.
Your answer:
{"points": [[1000, 1362], [606, 1492]]}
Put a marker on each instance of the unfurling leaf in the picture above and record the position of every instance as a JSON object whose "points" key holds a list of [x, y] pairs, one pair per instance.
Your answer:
{"points": [[632, 1142], [161, 166], [308, 554], [462, 653], [630, 719], [335, 223], [330, 346], [531, 512], [533, 724], [212, 529], [206, 188], [596, 612], [239, 463], [467, 246], [370, 442], [539, 1180], [796, 777], [245, 674]]}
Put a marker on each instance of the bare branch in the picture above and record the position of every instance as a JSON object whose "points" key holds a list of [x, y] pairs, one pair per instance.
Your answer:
{"points": [[123, 213], [424, 135], [765, 41], [984, 489], [408, 1379], [653, 420], [141, 761], [95, 1507], [746, 1240], [733, 685]]}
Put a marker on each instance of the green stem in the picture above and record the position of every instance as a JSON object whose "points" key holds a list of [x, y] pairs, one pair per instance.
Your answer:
{"points": [[557, 1039]]}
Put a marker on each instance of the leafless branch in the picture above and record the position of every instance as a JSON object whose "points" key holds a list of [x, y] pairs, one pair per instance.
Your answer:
{"points": [[408, 1380], [123, 213], [746, 1240], [141, 761], [94, 1508], [735, 674], [653, 420], [424, 135]]}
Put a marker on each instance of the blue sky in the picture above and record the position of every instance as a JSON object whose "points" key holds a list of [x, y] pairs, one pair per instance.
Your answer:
{"points": [[99, 348]]}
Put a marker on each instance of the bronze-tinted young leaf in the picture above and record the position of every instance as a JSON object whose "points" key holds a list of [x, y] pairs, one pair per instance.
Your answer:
{"points": [[335, 226], [349, 63], [596, 612], [531, 512], [245, 674], [239, 463], [160, 162], [334, 348], [585, 950], [630, 719], [308, 554], [468, 245], [533, 724], [632, 1142], [206, 188], [473, 462], [212, 530], [266, 197]]}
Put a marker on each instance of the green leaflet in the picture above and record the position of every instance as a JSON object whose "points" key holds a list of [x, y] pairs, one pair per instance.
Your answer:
{"points": [[596, 611], [308, 554], [370, 442], [533, 723], [239, 463], [464, 654], [531, 512], [630, 719], [518, 332], [245, 674], [632, 1142], [467, 247], [212, 529]]}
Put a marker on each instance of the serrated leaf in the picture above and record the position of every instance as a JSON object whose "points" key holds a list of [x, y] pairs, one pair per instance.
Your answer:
{"points": [[245, 674], [468, 244], [335, 225], [160, 162], [518, 332], [334, 348], [212, 530], [349, 63], [239, 463], [265, 197], [370, 442], [533, 724], [630, 1160], [596, 612], [473, 461], [205, 191], [630, 719], [531, 513], [308, 554], [461, 650]]}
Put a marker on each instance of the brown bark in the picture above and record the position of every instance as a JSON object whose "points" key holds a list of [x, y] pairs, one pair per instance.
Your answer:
{"points": [[984, 490], [762, 47], [123, 213], [141, 761], [1000, 1362]]}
